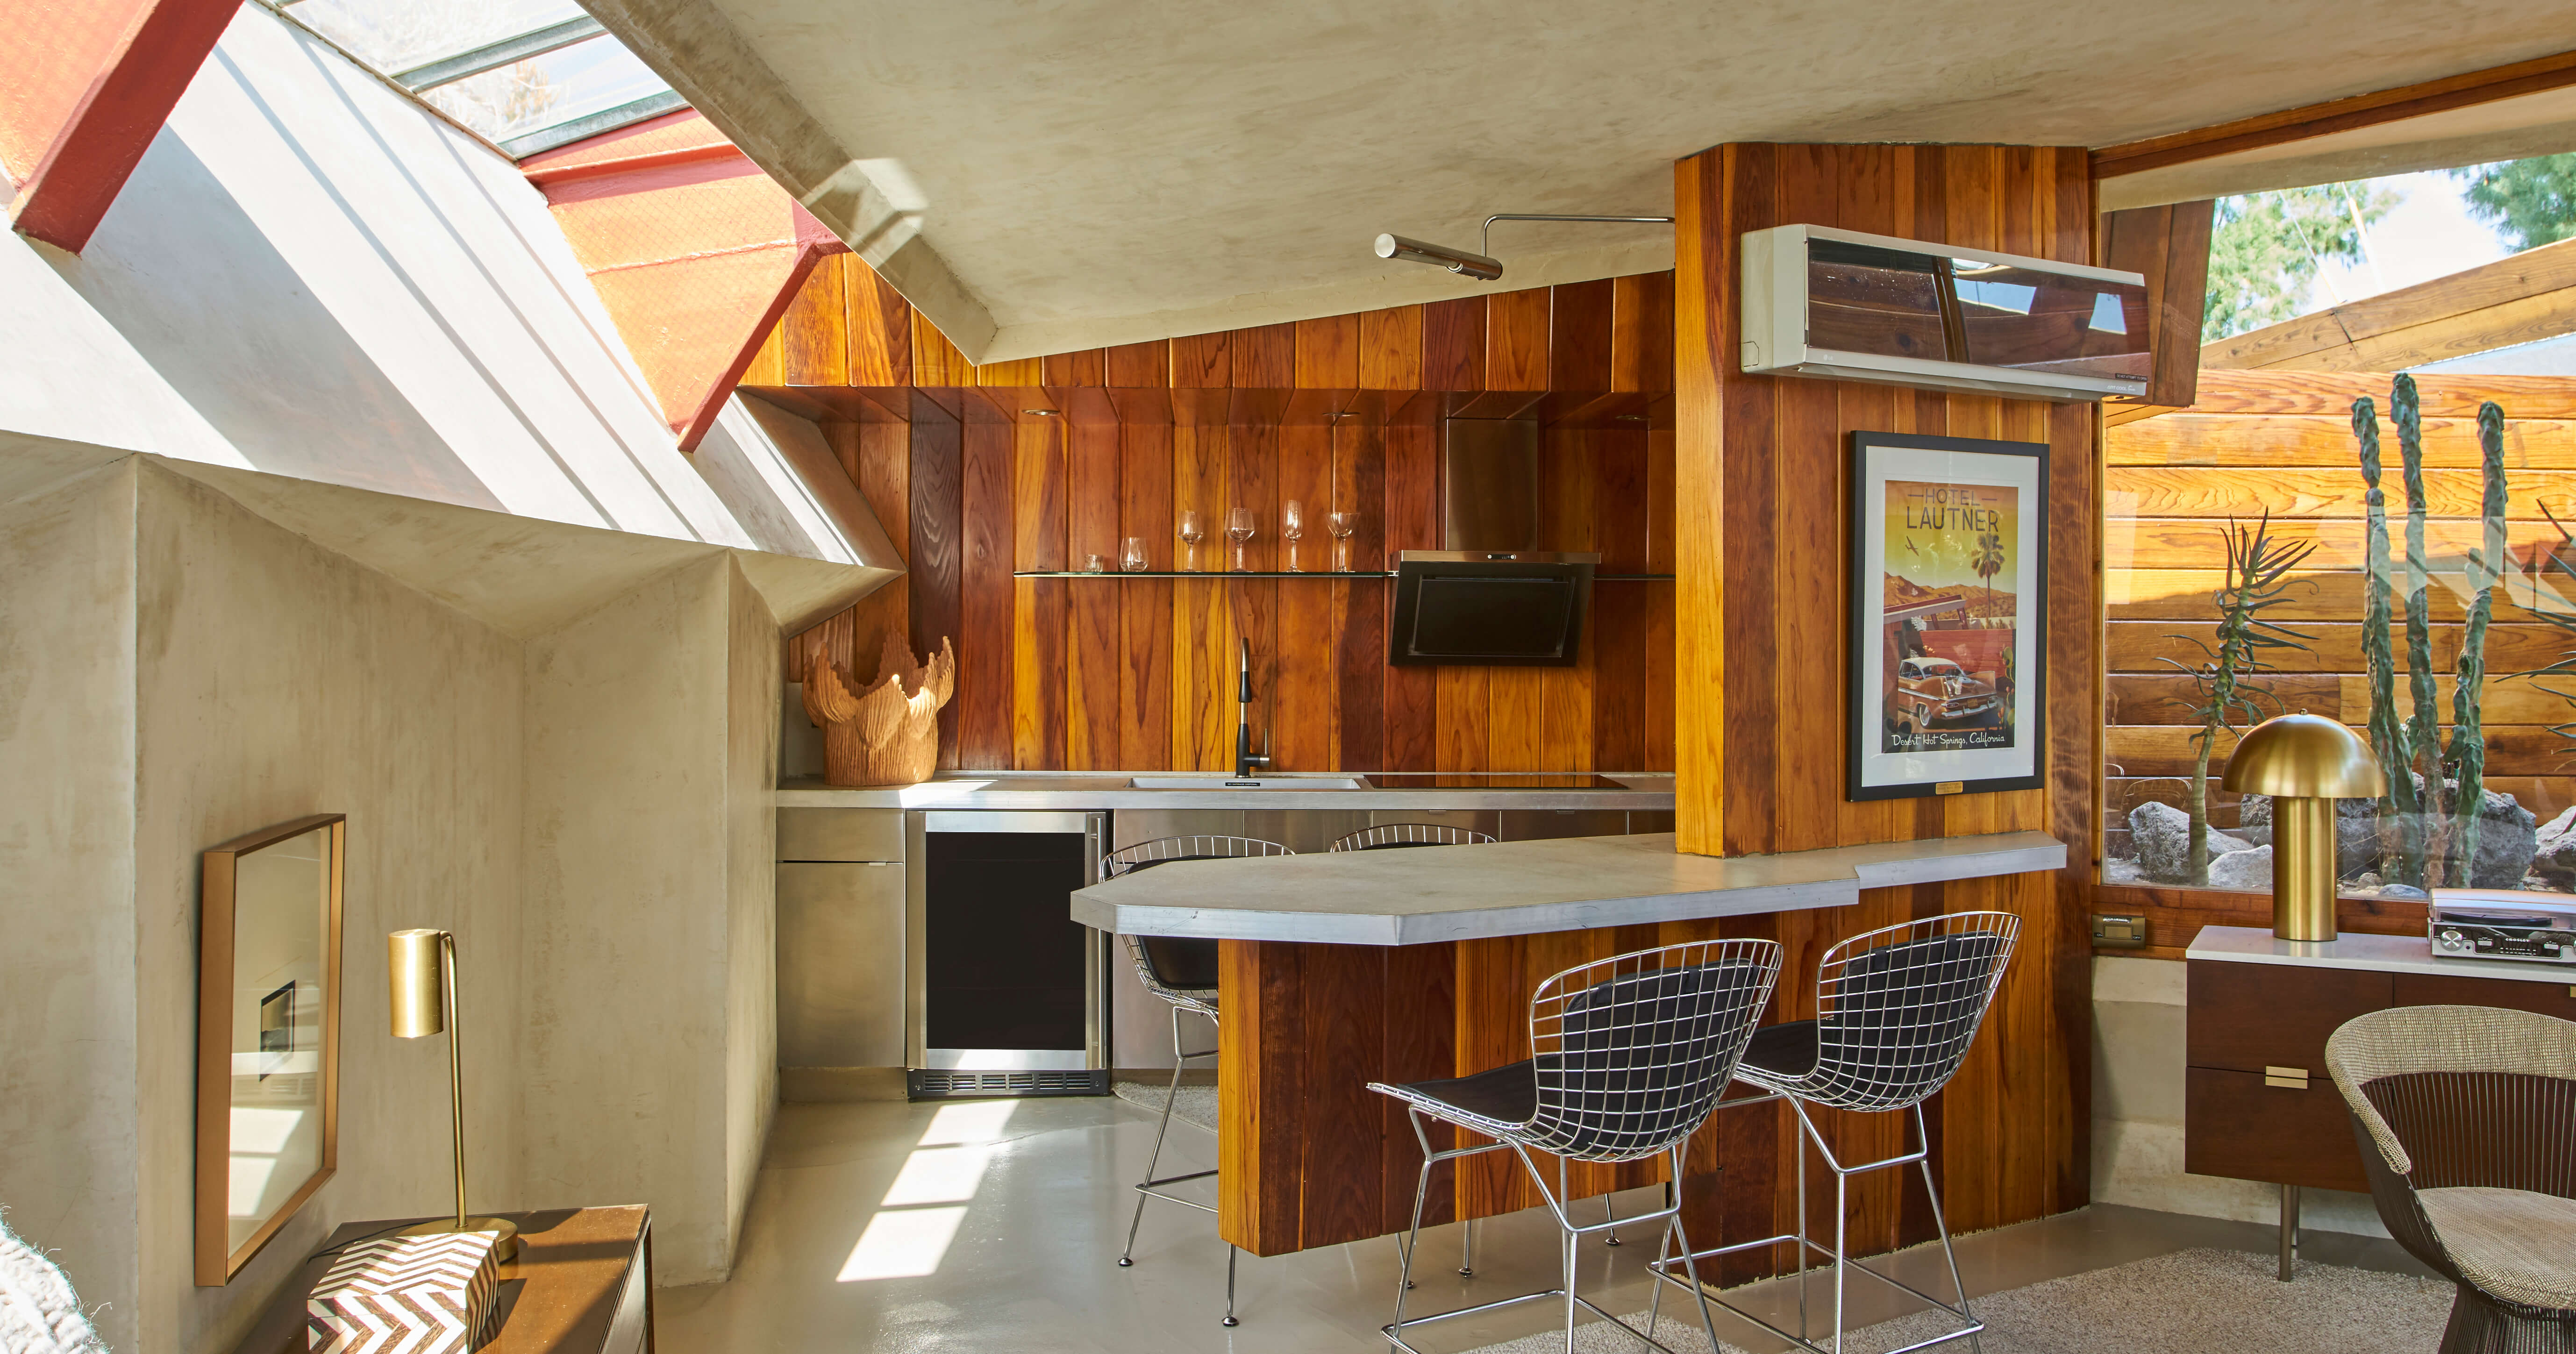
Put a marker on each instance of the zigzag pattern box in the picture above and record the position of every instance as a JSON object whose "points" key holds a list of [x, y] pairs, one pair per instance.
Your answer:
{"points": [[405, 1295]]}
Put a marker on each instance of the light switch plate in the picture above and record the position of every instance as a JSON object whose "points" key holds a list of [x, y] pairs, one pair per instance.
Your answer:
{"points": [[2119, 930]]}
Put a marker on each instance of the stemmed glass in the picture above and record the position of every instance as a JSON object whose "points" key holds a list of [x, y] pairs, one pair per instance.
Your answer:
{"points": [[1238, 529], [1292, 524], [1342, 525], [1193, 530]]}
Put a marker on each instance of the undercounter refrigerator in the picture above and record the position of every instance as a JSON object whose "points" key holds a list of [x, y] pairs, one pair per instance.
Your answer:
{"points": [[1006, 992]]}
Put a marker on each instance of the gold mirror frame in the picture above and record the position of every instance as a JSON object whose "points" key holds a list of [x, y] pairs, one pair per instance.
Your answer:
{"points": [[218, 915]]}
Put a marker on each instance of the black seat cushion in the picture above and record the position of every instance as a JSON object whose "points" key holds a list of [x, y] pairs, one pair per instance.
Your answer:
{"points": [[1507, 1094], [1784, 1050], [1181, 963]]}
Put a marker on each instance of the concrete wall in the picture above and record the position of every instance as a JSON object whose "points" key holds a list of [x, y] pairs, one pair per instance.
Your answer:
{"points": [[69, 1138], [2138, 1052]]}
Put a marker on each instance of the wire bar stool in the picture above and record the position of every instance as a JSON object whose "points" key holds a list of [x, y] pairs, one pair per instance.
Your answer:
{"points": [[1897, 1010], [1394, 836], [1628, 1056], [1182, 971]]}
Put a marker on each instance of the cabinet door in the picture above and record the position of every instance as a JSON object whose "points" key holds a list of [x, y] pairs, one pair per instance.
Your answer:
{"points": [[2247, 1017], [2555, 998], [2234, 1125], [840, 965]]}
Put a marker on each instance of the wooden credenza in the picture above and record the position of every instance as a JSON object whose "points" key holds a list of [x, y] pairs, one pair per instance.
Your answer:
{"points": [[582, 1283], [2258, 1102]]}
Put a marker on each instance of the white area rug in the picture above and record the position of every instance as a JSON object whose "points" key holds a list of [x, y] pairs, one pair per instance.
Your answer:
{"points": [[2187, 1302], [1197, 1104]]}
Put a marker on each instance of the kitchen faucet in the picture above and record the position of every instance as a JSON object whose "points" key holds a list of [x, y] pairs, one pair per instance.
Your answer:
{"points": [[1244, 761]]}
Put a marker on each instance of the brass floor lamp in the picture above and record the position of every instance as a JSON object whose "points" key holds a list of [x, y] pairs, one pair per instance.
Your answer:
{"points": [[423, 963]]}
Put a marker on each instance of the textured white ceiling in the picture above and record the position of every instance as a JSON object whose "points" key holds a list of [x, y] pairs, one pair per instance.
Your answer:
{"points": [[1106, 172]]}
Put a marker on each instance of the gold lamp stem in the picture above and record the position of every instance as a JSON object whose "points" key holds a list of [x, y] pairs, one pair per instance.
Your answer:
{"points": [[423, 991], [455, 1065], [2303, 868]]}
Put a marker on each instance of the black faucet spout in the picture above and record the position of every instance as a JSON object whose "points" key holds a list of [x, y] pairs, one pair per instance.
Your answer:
{"points": [[1244, 760]]}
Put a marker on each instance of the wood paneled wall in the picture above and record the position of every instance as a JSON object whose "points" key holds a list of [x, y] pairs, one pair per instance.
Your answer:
{"points": [[1761, 551], [1139, 674]]}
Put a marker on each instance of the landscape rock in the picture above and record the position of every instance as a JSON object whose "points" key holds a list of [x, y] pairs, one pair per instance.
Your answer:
{"points": [[2508, 843], [2162, 834], [2356, 831], [2242, 871], [2553, 854]]}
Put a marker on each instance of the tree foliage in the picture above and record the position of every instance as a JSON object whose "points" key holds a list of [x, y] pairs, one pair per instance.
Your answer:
{"points": [[2529, 202], [2265, 250]]}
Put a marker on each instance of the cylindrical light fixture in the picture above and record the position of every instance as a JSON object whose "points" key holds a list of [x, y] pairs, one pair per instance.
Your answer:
{"points": [[421, 967], [1460, 261], [2305, 762]]}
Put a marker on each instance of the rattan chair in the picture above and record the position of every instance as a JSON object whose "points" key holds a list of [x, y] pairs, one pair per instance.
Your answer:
{"points": [[1396, 836], [1628, 1056], [1897, 1010], [1181, 970], [2466, 1118]]}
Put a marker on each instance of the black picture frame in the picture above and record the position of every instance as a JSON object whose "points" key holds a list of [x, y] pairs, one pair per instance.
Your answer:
{"points": [[1883, 718]]}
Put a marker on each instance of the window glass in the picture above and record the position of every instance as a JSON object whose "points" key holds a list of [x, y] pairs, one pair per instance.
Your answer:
{"points": [[1863, 299], [396, 35]]}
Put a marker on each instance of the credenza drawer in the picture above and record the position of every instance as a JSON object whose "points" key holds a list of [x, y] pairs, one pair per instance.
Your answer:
{"points": [[2247, 1017], [2550, 998], [2238, 1125]]}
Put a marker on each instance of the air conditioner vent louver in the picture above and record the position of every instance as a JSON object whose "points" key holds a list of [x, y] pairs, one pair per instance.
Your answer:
{"points": [[945, 1084]]}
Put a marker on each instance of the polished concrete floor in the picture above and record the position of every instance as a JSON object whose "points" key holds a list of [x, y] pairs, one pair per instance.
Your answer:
{"points": [[995, 1225]]}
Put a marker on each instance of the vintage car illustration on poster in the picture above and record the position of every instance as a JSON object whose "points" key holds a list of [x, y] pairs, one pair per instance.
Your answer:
{"points": [[1935, 693]]}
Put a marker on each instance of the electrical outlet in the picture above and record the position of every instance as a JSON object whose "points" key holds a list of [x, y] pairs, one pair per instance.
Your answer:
{"points": [[2119, 930]]}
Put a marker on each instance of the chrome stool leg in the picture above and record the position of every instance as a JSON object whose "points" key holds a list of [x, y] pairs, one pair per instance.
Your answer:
{"points": [[1170, 1097], [1232, 1254]]}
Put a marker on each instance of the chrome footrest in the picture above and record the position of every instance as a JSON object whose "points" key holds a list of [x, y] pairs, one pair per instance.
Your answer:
{"points": [[1662, 1269]]}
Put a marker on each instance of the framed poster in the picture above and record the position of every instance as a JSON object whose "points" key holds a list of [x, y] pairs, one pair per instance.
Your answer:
{"points": [[1949, 589]]}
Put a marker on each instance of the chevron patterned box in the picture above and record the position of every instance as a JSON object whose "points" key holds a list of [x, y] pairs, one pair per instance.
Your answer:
{"points": [[405, 1295]]}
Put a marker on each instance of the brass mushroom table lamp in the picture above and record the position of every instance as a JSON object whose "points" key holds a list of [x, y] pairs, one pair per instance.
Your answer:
{"points": [[423, 964], [2305, 762]]}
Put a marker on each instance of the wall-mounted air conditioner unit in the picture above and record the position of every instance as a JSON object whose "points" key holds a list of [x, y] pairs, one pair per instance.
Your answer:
{"points": [[1844, 306]]}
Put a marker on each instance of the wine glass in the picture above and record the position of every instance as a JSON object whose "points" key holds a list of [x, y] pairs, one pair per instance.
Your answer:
{"points": [[1133, 559], [1238, 529], [1292, 524], [1342, 525], [1193, 530]]}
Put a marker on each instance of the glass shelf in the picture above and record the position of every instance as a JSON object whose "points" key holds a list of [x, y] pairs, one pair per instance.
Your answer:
{"points": [[1298, 573]]}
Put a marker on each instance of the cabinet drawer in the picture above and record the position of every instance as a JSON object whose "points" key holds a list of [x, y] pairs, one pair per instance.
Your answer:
{"points": [[840, 834], [2247, 1017], [2557, 998], [2234, 1125]]}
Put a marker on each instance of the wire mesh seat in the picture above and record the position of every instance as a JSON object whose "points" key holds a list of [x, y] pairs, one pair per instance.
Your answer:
{"points": [[1396, 836], [1897, 1010], [2466, 1118], [1182, 971], [1628, 1057]]}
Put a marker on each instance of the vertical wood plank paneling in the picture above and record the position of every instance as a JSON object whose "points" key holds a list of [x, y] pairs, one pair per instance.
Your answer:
{"points": [[1328, 353], [1039, 605], [1579, 338], [814, 330], [1453, 344], [1201, 361], [1071, 369], [768, 362], [1094, 661], [1516, 325], [880, 328], [1017, 374], [1145, 605], [1390, 349], [1345, 990], [884, 456], [1203, 650], [1136, 365], [936, 580], [1641, 332], [1308, 676], [1264, 358], [1359, 605], [1411, 518], [935, 360], [1421, 1035], [986, 683], [1464, 702]]}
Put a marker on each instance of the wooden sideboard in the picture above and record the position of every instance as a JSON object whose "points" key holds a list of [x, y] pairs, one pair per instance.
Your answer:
{"points": [[2258, 1102], [582, 1283]]}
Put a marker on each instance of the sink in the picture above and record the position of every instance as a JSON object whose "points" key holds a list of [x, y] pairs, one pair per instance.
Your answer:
{"points": [[1256, 783]]}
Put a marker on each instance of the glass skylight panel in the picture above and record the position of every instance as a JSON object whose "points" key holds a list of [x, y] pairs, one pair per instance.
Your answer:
{"points": [[558, 87], [396, 35]]}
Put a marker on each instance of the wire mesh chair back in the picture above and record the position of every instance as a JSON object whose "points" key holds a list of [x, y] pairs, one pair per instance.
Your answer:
{"points": [[1391, 836], [1179, 969], [1631, 1052], [1897, 1008]]}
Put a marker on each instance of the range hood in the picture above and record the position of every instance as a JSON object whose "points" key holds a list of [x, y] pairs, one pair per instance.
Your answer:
{"points": [[1491, 596]]}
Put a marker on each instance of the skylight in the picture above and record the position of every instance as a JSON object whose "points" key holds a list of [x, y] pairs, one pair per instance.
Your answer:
{"points": [[529, 75]]}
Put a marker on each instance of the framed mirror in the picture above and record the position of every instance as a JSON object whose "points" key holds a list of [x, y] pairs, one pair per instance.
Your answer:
{"points": [[268, 1034]]}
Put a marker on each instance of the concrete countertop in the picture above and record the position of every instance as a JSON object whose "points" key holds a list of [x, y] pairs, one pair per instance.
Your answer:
{"points": [[2354, 949], [1437, 893], [1109, 790]]}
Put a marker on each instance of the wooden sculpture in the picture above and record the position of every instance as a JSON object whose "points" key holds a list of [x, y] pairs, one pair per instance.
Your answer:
{"points": [[888, 733]]}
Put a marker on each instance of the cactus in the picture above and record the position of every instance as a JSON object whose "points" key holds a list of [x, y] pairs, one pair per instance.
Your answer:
{"points": [[2468, 738], [2398, 811], [2423, 743], [2256, 567]]}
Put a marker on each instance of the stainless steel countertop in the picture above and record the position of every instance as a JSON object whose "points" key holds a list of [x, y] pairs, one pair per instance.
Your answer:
{"points": [[1524, 888], [1109, 790]]}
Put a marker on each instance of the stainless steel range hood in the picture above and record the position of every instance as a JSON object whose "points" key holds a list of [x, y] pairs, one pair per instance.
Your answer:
{"points": [[1493, 595]]}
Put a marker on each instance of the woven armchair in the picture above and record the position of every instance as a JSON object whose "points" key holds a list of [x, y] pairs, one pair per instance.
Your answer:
{"points": [[2466, 1117]]}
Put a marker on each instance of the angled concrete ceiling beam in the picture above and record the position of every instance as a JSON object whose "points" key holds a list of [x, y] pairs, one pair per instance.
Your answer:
{"points": [[871, 204]]}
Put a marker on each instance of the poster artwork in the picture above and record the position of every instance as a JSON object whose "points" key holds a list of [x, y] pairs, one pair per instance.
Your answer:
{"points": [[1953, 589]]}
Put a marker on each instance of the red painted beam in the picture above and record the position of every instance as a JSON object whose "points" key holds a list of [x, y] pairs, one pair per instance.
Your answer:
{"points": [[90, 83], [692, 248]]}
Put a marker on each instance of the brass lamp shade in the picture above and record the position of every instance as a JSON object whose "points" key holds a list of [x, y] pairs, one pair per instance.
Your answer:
{"points": [[413, 965], [2304, 756], [2305, 762]]}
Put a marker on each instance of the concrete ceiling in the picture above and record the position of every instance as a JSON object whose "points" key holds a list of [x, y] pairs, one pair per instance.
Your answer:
{"points": [[1039, 178]]}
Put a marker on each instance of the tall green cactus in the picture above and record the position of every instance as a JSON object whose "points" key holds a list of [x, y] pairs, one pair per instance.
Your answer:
{"points": [[2424, 727], [2468, 738], [2397, 808]]}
